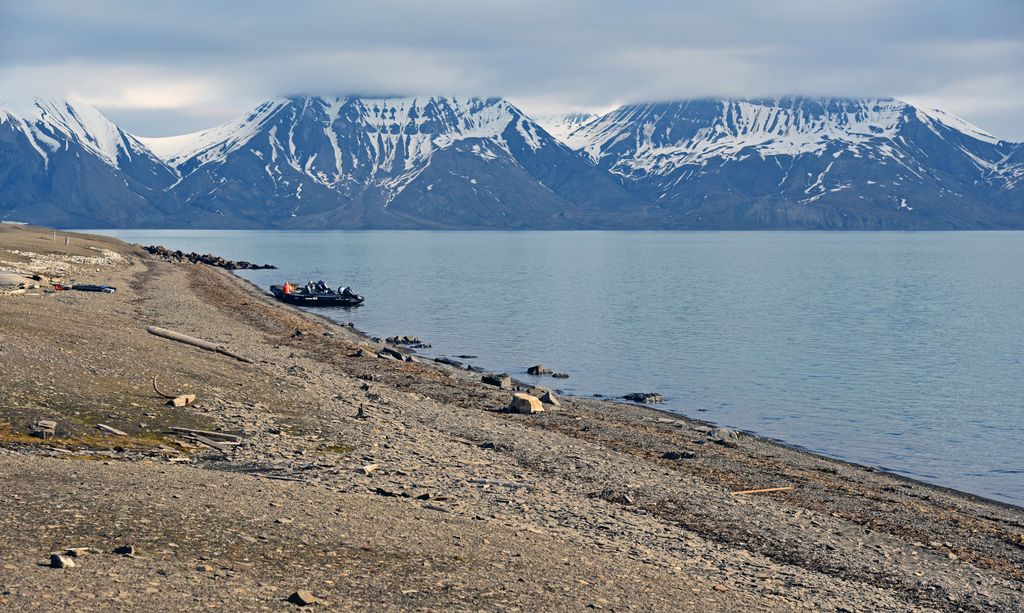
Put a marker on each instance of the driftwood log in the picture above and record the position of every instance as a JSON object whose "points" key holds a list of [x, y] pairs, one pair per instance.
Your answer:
{"points": [[511, 484], [195, 342], [234, 438], [111, 430], [765, 490]]}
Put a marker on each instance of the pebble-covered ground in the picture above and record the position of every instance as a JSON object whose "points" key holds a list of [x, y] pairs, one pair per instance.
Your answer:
{"points": [[373, 483]]}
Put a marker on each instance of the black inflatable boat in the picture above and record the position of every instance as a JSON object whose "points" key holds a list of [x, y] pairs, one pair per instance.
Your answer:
{"points": [[317, 295]]}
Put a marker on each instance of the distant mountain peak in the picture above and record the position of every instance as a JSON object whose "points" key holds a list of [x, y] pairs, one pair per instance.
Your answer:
{"points": [[49, 120], [480, 162]]}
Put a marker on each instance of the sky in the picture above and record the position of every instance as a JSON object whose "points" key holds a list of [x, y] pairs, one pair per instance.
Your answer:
{"points": [[160, 68]]}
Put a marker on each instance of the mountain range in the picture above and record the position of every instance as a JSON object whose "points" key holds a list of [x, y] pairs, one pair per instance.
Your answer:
{"points": [[465, 162]]}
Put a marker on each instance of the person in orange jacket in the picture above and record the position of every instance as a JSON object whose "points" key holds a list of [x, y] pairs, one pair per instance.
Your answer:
{"points": [[287, 288]]}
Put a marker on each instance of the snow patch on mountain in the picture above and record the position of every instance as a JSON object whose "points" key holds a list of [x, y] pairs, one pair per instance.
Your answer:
{"points": [[661, 138], [214, 144], [927, 116], [562, 125], [344, 140], [49, 120]]}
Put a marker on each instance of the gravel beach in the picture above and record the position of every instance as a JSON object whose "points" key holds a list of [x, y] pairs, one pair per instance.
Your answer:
{"points": [[333, 470]]}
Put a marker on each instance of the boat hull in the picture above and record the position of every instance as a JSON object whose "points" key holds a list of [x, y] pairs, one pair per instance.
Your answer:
{"points": [[315, 300]]}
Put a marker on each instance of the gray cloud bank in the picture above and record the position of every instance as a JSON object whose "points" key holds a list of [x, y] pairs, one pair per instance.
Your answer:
{"points": [[161, 68]]}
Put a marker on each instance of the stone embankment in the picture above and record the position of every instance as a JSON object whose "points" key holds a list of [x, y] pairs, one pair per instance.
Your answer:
{"points": [[212, 260]]}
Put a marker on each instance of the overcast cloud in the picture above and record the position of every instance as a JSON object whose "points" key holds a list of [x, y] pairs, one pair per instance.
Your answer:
{"points": [[160, 68]]}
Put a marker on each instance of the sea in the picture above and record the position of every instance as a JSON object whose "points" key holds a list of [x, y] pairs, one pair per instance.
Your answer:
{"points": [[900, 351]]}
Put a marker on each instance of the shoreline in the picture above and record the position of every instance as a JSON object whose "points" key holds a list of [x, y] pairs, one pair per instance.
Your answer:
{"points": [[251, 287], [411, 474]]}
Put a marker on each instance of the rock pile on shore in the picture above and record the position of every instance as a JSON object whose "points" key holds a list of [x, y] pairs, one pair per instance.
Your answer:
{"points": [[212, 260]]}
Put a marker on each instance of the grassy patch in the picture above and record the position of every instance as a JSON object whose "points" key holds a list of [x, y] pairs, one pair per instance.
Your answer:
{"points": [[336, 449], [136, 442]]}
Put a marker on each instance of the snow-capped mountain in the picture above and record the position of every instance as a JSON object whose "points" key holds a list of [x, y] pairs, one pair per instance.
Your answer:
{"points": [[562, 125], [435, 161], [451, 162], [807, 162], [52, 122], [62, 162]]}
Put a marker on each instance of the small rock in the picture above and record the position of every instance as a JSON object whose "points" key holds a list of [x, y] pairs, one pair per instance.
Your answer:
{"points": [[303, 598], [723, 433], [77, 552], [560, 375], [58, 560], [550, 398], [391, 354], [525, 403], [679, 455], [183, 400], [538, 370], [502, 381], [125, 550]]}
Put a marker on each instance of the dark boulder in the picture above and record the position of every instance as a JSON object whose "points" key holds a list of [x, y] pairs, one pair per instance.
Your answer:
{"points": [[538, 370], [645, 397], [502, 381], [678, 455]]}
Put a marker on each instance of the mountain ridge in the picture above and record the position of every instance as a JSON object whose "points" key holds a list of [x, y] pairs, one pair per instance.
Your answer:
{"points": [[471, 162], [761, 162]]}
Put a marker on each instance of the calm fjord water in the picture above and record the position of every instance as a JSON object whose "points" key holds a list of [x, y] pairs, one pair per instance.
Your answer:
{"points": [[897, 350]]}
